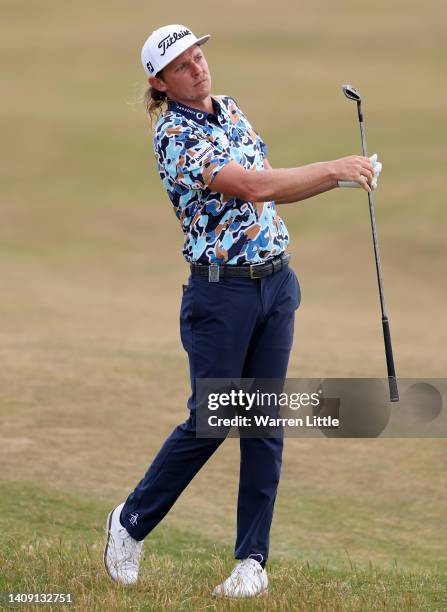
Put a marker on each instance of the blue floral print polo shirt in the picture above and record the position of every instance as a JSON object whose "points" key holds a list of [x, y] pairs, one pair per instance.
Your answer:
{"points": [[191, 148]]}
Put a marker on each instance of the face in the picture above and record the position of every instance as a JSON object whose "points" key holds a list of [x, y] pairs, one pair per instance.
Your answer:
{"points": [[187, 78]]}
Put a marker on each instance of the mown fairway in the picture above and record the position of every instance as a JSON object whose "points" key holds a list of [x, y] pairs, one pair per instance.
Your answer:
{"points": [[92, 374]]}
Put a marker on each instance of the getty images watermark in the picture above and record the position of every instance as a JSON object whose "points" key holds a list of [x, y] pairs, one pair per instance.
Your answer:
{"points": [[330, 407], [240, 400]]}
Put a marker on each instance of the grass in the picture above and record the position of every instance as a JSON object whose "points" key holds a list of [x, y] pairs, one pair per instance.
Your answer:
{"points": [[52, 542]]}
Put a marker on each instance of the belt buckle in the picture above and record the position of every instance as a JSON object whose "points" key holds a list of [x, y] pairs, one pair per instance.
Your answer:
{"points": [[213, 273], [252, 266]]}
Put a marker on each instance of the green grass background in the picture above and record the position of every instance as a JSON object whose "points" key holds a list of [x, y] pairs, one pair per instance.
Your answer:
{"points": [[92, 373]]}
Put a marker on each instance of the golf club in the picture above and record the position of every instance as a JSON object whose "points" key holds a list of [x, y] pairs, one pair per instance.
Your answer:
{"points": [[353, 94]]}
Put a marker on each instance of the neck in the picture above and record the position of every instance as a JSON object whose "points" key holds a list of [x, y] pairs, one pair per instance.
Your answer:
{"points": [[205, 105]]}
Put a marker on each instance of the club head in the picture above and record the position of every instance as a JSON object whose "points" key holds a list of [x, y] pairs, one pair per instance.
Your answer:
{"points": [[351, 93]]}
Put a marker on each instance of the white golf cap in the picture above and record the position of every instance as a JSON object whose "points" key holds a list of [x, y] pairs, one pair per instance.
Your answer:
{"points": [[165, 44]]}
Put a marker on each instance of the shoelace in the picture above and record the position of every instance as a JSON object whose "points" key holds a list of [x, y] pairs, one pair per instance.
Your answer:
{"points": [[130, 546], [244, 568]]}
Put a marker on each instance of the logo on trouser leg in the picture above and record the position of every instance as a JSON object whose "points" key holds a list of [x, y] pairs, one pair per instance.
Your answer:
{"points": [[134, 518]]}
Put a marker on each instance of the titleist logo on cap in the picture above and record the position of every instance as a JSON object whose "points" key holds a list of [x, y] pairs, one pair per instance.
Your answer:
{"points": [[169, 40]]}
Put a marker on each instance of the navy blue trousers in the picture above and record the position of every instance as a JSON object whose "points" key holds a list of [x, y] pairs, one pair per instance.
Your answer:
{"points": [[236, 328]]}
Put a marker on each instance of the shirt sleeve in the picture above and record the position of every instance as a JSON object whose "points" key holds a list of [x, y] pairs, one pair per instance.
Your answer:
{"points": [[262, 146], [235, 109], [192, 161]]}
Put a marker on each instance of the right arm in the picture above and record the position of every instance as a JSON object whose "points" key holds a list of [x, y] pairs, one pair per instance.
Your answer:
{"points": [[290, 184]]}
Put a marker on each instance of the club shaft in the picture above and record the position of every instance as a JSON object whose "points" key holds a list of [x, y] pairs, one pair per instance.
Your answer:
{"points": [[377, 256], [392, 382]]}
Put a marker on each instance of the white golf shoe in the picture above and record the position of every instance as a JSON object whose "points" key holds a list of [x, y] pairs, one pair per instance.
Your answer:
{"points": [[121, 553], [248, 579]]}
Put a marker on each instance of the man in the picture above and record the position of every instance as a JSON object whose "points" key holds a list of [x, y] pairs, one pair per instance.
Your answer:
{"points": [[237, 312]]}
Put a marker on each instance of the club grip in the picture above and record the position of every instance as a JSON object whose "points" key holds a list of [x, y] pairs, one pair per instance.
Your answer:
{"points": [[394, 392], [392, 381]]}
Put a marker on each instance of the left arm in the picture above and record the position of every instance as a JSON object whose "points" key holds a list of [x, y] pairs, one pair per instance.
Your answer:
{"points": [[308, 194]]}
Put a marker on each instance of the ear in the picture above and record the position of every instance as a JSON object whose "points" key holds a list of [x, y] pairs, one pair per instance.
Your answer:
{"points": [[157, 84]]}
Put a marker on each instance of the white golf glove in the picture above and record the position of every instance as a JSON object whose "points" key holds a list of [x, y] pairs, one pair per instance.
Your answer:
{"points": [[377, 169]]}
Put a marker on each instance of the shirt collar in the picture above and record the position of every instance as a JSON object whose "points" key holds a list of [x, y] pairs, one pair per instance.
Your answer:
{"points": [[194, 113]]}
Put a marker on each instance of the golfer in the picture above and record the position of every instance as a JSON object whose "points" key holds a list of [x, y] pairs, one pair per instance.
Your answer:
{"points": [[237, 311]]}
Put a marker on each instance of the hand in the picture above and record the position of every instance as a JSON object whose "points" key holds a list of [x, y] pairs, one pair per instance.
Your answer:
{"points": [[365, 180]]}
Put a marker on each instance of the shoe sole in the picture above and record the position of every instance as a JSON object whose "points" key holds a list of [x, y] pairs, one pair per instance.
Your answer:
{"points": [[106, 547]]}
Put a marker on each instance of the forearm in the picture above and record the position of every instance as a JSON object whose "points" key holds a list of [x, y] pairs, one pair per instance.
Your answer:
{"points": [[290, 184], [293, 184], [309, 193]]}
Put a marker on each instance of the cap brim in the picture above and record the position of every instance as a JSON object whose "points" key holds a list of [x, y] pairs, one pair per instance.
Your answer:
{"points": [[203, 39]]}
